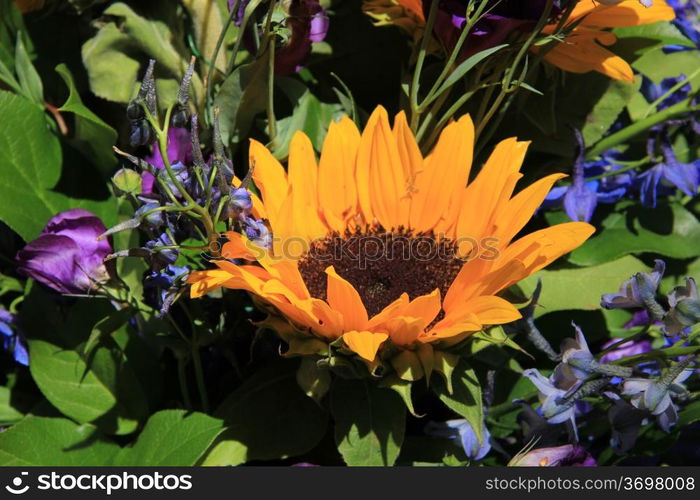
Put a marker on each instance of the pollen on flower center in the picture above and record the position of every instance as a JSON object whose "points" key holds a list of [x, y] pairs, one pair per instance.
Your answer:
{"points": [[382, 265]]}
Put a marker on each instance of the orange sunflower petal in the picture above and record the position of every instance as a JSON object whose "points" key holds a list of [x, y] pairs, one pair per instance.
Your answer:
{"points": [[343, 297], [337, 192], [364, 343], [270, 177], [303, 178]]}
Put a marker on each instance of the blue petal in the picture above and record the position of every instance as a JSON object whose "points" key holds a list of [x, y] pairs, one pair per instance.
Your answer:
{"points": [[580, 202], [682, 175]]}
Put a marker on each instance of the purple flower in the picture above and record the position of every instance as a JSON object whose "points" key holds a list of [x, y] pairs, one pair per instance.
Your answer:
{"points": [[630, 348], [685, 308], [67, 256], [652, 91], [501, 19], [580, 199], [160, 288], [11, 338], [670, 174], [308, 23], [687, 21], [636, 290], [179, 150], [568, 455], [462, 430], [655, 395], [555, 408]]}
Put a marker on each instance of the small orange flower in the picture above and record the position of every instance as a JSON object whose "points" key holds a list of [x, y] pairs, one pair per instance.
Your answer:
{"points": [[379, 246], [580, 52]]}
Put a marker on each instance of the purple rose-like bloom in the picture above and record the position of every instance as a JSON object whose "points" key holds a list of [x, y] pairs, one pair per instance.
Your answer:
{"points": [[501, 19], [11, 338], [67, 256], [568, 455], [308, 23]]}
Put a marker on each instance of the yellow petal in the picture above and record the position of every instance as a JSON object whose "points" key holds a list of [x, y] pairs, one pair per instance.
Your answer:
{"points": [[444, 176], [343, 297], [382, 185], [337, 192], [628, 13], [364, 343], [492, 310], [303, 179], [269, 176]]}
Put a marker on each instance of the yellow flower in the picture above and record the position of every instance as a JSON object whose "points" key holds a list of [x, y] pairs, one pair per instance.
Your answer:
{"points": [[580, 52], [381, 247]]}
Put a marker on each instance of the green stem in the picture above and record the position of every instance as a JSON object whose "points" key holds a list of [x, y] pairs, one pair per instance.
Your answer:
{"points": [[182, 376], [217, 48], [638, 127], [427, 35]]}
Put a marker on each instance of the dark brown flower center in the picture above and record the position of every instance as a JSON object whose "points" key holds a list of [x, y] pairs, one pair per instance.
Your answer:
{"points": [[382, 265]]}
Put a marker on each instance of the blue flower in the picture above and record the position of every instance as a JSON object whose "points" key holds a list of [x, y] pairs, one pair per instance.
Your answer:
{"points": [[462, 430], [555, 408], [11, 338], [160, 288], [687, 21], [664, 177], [580, 199], [635, 292], [652, 91]]}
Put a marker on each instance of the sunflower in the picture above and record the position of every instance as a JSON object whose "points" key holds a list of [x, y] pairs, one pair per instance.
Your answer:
{"points": [[385, 249], [581, 51]]}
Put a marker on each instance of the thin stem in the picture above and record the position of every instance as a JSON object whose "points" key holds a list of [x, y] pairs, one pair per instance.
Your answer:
{"points": [[413, 94], [182, 377], [217, 48], [638, 127]]}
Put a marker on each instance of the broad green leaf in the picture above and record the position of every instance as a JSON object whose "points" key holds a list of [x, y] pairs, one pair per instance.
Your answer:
{"points": [[27, 75], [8, 413], [268, 417], [643, 38], [668, 230], [44, 441], [607, 109], [112, 73], [31, 166], [100, 387], [207, 21], [369, 422], [465, 399], [92, 136], [171, 438], [310, 116], [580, 288], [241, 97]]}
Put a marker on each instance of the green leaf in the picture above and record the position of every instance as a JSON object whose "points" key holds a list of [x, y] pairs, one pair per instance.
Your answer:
{"points": [[580, 288], [607, 109], [465, 399], [268, 417], [31, 166], [465, 66], [8, 413], [310, 116], [43, 441], [171, 438], [11, 24], [668, 230], [100, 388], [369, 422], [242, 95], [27, 75], [92, 136]]}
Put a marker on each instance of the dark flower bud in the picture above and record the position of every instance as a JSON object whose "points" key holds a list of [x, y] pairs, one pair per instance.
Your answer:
{"points": [[134, 111], [180, 116], [141, 133], [153, 220]]}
